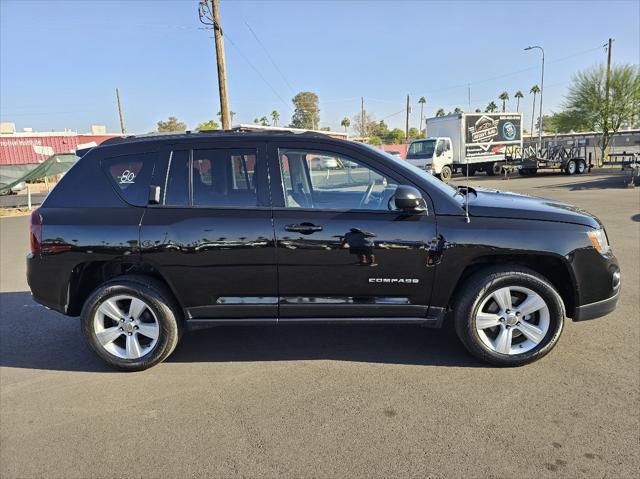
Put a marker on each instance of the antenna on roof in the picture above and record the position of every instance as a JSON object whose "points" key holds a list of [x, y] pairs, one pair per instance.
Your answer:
{"points": [[466, 157]]}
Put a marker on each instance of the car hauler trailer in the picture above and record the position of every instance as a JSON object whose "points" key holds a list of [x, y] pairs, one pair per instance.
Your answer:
{"points": [[480, 139]]}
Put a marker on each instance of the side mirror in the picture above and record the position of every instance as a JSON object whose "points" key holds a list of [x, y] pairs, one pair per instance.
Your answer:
{"points": [[408, 198]]}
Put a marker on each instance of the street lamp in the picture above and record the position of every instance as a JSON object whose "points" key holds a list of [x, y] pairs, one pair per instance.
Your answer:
{"points": [[541, 91]]}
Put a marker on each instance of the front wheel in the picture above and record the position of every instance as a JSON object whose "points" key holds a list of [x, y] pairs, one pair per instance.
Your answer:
{"points": [[131, 322], [445, 173], [509, 316]]}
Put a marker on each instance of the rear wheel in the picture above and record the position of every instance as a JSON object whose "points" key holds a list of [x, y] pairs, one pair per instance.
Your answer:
{"points": [[495, 169], [581, 167], [571, 167], [131, 322], [445, 173], [509, 316]]}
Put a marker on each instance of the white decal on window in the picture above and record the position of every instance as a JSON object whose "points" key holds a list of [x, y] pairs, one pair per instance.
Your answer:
{"points": [[127, 177]]}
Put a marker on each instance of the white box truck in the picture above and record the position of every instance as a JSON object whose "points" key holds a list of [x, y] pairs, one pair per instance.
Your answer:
{"points": [[479, 139]]}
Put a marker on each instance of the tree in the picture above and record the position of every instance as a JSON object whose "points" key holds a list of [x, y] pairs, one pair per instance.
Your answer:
{"points": [[415, 133], [587, 106], [364, 128], [208, 125], [421, 101], [491, 107], [478, 110], [535, 89], [440, 112], [504, 97], [457, 110], [395, 136], [518, 96], [307, 112], [375, 141], [264, 121], [346, 123], [275, 116], [172, 124]]}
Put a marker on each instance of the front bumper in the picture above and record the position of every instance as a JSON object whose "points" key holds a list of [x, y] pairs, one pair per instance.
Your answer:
{"points": [[597, 309]]}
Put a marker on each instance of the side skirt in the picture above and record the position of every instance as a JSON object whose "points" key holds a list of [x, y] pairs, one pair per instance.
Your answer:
{"points": [[201, 323]]}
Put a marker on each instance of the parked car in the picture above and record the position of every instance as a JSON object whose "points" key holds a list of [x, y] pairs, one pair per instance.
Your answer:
{"points": [[14, 190], [147, 237]]}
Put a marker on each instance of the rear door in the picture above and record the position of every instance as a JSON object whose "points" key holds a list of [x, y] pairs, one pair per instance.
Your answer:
{"points": [[343, 249], [211, 236]]}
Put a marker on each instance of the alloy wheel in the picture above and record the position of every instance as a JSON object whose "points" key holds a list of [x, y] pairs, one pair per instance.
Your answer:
{"points": [[512, 320], [126, 326]]}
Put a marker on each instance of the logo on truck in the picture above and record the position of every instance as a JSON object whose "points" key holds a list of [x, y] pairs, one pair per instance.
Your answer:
{"points": [[509, 131], [484, 130]]}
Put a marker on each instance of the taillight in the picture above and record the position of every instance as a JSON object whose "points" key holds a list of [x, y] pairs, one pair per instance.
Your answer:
{"points": [[35, 231]]}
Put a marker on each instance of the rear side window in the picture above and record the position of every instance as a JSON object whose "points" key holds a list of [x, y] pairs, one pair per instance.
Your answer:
{"points": [[131, 176]]}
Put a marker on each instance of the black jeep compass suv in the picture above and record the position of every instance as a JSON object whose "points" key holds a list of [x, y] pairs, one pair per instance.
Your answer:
{"points": [[148, 236]]}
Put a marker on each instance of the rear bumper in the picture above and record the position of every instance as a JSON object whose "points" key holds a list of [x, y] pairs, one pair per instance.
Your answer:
{"points": [[597, 309], [47, 285]]}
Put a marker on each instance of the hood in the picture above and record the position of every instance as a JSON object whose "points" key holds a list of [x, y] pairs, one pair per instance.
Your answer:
{"points": [[503, 204]]}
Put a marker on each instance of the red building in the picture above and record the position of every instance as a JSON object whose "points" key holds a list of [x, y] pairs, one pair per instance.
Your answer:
{"points": [[28, 147]]}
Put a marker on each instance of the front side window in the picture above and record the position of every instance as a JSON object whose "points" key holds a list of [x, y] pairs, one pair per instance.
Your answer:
{"points": [[131, 176], [329, 181]]}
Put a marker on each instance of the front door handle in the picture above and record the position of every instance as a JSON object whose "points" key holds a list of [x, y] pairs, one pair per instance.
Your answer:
{"points": [[304, 228]]}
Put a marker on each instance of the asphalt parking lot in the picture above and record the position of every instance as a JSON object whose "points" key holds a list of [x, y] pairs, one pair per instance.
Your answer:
{"points": [[328, 401]]}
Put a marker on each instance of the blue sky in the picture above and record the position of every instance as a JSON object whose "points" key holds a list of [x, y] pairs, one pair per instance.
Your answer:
{"points": [[61, 60]]}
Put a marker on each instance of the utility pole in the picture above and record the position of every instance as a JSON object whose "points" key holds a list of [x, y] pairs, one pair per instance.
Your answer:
{"points": [[605, 129], [469, 96], [406, 133], [210, 15], [362, 119], [122, 129]]}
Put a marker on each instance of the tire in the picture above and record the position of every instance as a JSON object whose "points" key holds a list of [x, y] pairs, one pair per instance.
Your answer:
{"points": [[581, 167], [495, 169], [571, 168], [472, 171], [140, 343], [445, 173], [544, 325]]}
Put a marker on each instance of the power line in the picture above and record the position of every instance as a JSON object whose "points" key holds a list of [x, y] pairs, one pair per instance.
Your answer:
{"points": [[270, 57]]}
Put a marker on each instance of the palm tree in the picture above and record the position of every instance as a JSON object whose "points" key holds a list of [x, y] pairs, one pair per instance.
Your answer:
{"points": [[264, 121], [440, 112], [275, 116], [517, 96], [535, 89], [457, 110], [346, 123], [491, 107], [504, 96], [421, 101], [478, 110], [231, 114]]}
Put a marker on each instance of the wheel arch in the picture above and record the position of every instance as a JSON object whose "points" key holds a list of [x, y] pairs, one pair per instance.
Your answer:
{"points": [[553, 268], [86, 277]]}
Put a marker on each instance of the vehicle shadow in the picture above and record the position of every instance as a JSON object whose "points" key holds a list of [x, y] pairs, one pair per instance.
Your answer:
{"points": [[596, 182], [33, 337]]}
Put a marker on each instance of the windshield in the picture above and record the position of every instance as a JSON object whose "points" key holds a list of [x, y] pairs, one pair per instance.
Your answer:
{"points": [[404, 165], [421, 149]]}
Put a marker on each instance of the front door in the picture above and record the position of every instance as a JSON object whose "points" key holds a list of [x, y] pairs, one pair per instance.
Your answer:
{"points": [[211, 236], [343, 249]]}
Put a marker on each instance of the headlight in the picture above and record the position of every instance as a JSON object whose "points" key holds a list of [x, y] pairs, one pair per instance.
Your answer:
{"points": [[599, 240]]}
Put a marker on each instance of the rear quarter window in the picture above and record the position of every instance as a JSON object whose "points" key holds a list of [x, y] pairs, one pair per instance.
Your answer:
{"points": [[131, 175]]}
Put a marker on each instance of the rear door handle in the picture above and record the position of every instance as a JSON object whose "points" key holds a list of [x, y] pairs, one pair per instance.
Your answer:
{"points": [[304, 228]]}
